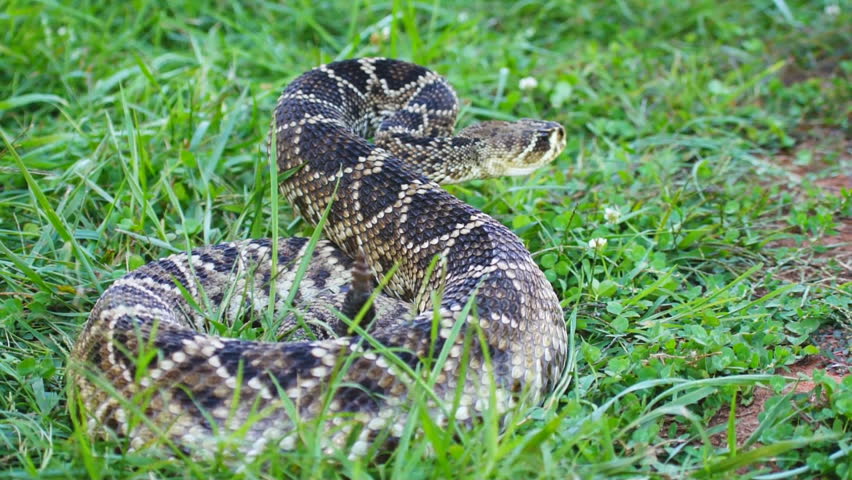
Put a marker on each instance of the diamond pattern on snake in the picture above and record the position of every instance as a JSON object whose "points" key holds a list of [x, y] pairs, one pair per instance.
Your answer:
{"points": [[367, 140]]}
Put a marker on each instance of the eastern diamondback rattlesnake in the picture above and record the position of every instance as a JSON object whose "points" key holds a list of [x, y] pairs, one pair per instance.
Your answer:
{"points": [[145, 369]]}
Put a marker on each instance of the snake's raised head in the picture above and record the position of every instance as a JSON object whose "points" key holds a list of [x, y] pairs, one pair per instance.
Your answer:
{"points": [[516, 148]]}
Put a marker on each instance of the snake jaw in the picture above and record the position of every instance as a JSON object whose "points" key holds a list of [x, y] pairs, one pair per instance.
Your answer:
{"points": [[520, 171]]}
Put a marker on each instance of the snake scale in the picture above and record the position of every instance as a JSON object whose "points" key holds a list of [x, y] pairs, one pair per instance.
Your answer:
{"points": [[149, 369]]}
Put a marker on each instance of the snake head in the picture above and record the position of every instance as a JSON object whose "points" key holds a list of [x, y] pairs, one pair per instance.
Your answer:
{"points": [[516, 148]]}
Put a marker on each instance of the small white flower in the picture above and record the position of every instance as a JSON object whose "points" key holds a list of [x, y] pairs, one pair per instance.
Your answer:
{"points": [[832, 10], [597, 243], [612, 215], [528, 83], [463, 17]]}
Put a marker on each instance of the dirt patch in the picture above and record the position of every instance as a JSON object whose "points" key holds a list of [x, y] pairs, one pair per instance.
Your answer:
{"points": [[827, 259], [835, 362], [823, 155], [823, 158], [825, 68], [834, 343]]}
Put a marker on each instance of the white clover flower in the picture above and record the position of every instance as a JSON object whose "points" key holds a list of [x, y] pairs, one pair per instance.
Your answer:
{"points": [[832, 10], [528, 83], [597, 243], [612, 215]]}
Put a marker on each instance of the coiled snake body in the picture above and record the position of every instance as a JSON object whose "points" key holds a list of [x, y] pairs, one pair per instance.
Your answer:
{"points": [[147, 371]]}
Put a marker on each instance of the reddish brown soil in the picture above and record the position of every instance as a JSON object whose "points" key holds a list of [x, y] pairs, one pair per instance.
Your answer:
{"points": [[831, 151], [747, 415], [830, 169]]}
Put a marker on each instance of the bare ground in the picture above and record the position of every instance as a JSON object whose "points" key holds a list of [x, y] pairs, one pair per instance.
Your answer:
{"points": [[823, 260]]}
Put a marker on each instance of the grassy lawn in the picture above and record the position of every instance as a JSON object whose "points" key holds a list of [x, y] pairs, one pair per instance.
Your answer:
{"points": [[697, 228]]}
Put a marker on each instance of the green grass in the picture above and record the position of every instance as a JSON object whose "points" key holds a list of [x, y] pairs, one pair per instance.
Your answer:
{"points": [[132, 130]]}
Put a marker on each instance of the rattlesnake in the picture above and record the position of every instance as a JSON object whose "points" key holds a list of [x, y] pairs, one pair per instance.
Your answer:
{"points": [[145, 369]]}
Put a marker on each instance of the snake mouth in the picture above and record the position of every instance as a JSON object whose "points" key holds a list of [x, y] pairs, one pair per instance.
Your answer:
{"points": [[525, 170]]}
